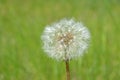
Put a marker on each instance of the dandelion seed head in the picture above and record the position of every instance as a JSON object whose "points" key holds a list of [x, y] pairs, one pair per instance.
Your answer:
{"points": [[65, 39]]}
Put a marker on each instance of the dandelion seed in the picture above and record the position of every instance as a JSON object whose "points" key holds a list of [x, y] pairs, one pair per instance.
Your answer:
{"points": [[66, 39]]}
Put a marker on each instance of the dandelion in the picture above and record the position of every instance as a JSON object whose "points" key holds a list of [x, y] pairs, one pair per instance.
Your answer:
{"points": [[65, 40]]}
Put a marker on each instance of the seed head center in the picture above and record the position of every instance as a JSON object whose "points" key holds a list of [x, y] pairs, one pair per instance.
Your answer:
{"points": [[66, 38]]}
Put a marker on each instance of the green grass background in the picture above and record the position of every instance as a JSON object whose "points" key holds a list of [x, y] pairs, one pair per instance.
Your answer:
{"points": [[23, 21]]}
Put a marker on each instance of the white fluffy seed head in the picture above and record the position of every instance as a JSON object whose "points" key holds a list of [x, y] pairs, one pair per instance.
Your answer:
{"points": [[65, 39]]}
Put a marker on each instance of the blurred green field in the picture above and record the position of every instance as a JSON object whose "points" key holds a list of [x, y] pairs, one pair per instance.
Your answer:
{"points": [[22, 23]]}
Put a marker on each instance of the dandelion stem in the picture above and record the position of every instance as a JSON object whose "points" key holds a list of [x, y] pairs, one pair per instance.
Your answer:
{"points": [[67, 70]]}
